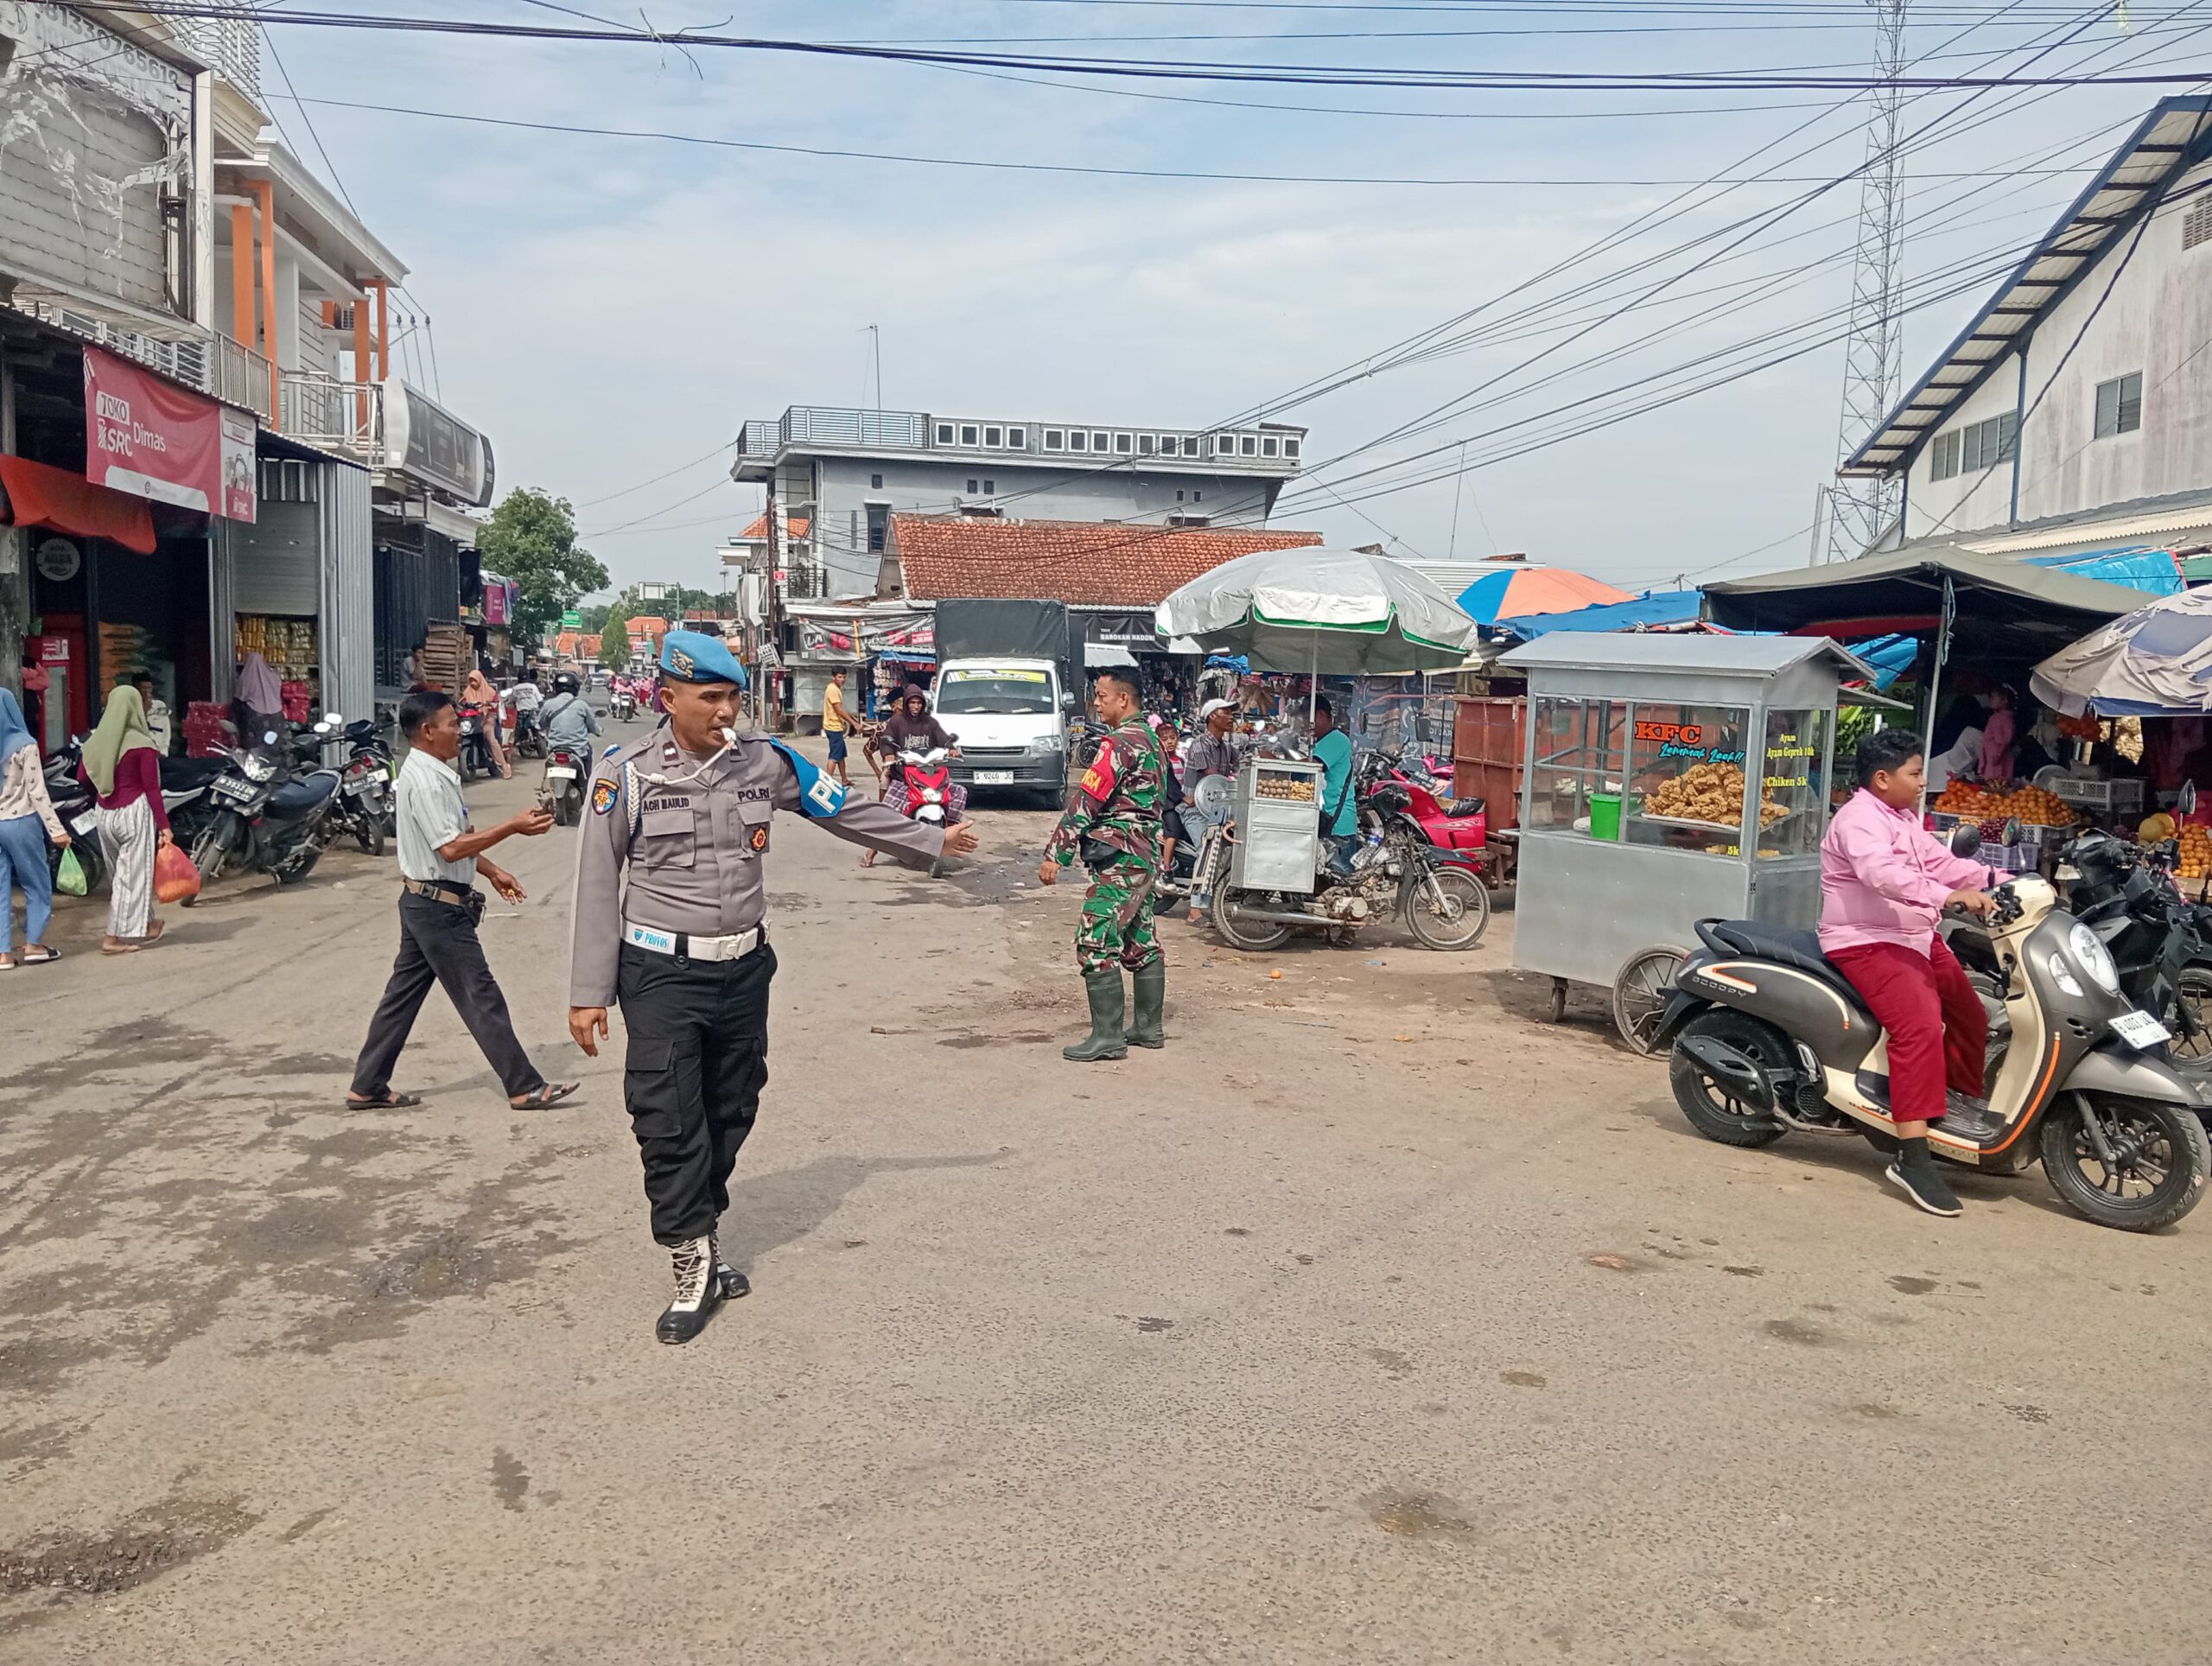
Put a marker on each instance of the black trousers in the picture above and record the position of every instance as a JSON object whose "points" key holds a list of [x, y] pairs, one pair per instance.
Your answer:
{"points": [[697, 1061], [437, 944]]}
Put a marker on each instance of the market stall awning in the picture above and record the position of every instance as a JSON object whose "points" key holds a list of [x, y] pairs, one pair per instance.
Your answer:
{"points": [[41, 496], [2003, 608]]}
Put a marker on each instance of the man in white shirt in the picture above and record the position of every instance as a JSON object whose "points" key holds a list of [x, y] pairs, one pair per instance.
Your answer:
{"points": [[439, 857]]}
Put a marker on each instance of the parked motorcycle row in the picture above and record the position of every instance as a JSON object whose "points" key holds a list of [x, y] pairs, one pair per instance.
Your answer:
{"points": [[272, 807]]}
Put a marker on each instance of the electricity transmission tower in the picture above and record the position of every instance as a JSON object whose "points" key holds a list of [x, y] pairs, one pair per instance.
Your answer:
{"points": [[1860, 511]]}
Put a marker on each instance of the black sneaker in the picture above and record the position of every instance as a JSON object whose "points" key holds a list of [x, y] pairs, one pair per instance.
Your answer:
{"points": [[1924, 1187]]}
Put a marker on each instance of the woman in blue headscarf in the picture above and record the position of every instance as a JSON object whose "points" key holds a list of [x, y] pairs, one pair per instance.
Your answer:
{"points": [[26, 821]]}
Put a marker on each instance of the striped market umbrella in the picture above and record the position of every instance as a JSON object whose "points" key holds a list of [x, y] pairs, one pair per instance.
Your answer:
{"points": [[1516, 591]]}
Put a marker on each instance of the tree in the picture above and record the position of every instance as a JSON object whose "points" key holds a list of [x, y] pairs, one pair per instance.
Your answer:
{"points": [[531, 539], [614, 639], [595, 615]]}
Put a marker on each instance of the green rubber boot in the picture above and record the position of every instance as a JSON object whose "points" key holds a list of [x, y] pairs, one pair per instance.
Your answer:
{"points": [[1149, 984], [1104, 1041]]}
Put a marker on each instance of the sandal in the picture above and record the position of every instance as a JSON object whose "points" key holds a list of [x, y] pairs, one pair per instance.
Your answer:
{"points": [[544, 1098], [40, 959], [385, 1101], [153, 934], [120, 948]]}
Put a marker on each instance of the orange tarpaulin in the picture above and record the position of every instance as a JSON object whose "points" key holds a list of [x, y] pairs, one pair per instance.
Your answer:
{"points": [[41, 496]]}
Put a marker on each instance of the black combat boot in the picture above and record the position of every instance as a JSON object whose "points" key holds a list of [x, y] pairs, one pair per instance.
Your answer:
{"points": [[698, 1292], [735, 1284], [1104, 987], [1149, 986]]}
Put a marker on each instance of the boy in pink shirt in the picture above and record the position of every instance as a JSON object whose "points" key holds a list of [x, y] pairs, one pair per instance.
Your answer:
{"points": [[1884, 880]]}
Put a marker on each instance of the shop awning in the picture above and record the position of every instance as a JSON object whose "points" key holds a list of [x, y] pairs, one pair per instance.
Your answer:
{"points": [[39, 495], [2005, 609]]}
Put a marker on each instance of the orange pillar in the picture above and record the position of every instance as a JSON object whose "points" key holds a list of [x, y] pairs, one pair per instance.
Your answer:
{"points": [[242, 274], [266, 191], [364, 370], [383, 331]]}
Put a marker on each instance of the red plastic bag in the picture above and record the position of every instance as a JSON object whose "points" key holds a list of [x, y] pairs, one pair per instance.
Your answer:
{"points": [[175, 880]]}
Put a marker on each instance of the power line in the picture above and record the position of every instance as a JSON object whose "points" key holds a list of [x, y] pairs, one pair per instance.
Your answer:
{"points": [[1001, 165], [1289, 75]]}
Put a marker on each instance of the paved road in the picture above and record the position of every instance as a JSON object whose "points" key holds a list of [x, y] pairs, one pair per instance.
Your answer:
{"points": [[1375, 1321]]}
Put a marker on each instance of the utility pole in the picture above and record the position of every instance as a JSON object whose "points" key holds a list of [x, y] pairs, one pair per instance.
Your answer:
{"points": [[1860, 511]]}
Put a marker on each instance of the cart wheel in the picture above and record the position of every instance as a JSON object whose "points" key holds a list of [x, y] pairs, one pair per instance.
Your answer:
{"points": [[1640, 992], [1559, 1000]]}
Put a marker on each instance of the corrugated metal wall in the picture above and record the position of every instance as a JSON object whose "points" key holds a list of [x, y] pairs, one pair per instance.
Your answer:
{"points": [[349, 641]]}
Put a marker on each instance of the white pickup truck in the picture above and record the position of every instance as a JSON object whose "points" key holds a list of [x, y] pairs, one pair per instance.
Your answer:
{"points": [[1011, 717]]}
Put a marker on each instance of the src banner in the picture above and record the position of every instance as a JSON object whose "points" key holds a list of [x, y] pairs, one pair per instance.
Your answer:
{"points": [[151, 440]]}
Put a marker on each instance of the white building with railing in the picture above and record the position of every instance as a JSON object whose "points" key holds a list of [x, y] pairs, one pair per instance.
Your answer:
{"points": [[848, 471]]}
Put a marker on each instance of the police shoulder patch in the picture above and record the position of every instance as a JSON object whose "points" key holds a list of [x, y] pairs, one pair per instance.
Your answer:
{"points": [[760, 840], [603, 794]]}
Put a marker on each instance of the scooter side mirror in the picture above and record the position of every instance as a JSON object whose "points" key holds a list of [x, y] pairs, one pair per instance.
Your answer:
{"points": [[1966, 839], [2187, 802], [2012, 830]]}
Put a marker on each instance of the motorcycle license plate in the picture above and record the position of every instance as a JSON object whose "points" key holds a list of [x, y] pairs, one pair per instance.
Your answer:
{"points": [[994, 778], [357, 788], [2140, 1030], [560, 774], [238, 791]]}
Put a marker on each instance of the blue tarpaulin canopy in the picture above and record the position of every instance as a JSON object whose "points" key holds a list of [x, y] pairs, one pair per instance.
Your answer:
{"points": [[1653, 610]]}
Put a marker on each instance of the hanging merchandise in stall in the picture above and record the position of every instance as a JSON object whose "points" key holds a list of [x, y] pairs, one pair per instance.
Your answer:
{"points": [[290, 647]]}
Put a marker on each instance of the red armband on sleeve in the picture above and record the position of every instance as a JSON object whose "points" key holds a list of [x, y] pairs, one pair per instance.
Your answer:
{"points": [[1105, 774]]}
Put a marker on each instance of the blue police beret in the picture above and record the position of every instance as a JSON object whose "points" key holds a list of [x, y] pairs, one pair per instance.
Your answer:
{"points": [[693, 656]]}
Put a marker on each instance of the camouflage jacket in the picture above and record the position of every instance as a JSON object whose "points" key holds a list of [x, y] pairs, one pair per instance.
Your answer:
{"points": [[1117, 804]]}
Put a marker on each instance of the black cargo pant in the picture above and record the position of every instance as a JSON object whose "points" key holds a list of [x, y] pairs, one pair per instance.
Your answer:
{"points": [[437, 944], [697, 1061]]}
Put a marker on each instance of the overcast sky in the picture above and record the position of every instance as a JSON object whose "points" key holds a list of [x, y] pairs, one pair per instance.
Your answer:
{"points": [[611, 308]]}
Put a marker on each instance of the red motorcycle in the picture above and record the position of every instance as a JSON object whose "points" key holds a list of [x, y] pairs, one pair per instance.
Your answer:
{"points": [[924, 791], [1458, 829]]}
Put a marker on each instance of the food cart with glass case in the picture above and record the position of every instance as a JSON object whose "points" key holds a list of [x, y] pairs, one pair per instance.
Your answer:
{"points": [[1638, 812]]}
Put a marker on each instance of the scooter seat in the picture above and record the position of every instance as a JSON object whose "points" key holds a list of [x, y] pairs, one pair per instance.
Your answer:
{"points": [[1789, 947], [296, 798], [1461, 807]]}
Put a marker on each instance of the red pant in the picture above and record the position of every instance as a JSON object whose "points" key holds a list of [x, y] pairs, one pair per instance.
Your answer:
{"points": [[1937, 1029]]}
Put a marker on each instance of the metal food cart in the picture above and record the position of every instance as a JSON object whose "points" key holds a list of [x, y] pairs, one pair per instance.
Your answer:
{"points": [[1279, 822], [1638, 811]]}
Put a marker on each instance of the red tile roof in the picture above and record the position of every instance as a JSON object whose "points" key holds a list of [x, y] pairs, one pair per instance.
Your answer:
{"points": [[1087, 563], [797, 526]]}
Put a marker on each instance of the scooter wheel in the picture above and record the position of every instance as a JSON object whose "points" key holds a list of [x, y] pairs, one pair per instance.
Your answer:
{"points": [[1712, 1111]]}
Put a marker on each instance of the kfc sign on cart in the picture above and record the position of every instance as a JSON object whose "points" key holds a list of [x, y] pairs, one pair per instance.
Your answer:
{"points": [[151, 440]]}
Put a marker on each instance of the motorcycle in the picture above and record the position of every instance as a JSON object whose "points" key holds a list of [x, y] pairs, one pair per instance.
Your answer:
{"points": [[1392, 869], [265, 822], [528, 739], [1766, 1036], [475, 758], [79, 812], [566, 772], [929, 795], [365, 808], [622, 705], [1458, 830]]}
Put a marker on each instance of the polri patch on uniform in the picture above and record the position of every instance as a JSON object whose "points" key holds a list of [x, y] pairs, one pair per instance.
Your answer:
{"points": [[760, 840], [603, 793]]}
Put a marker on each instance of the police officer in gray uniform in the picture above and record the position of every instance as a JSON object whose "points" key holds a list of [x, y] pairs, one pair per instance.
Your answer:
{"points": [[683, 947]]}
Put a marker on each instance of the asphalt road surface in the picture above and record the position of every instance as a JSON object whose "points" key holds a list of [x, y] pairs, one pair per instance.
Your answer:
{"points": [[1374, 1320]]}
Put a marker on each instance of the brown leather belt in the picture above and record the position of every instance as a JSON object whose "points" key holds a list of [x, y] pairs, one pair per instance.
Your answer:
{"points": [[440, 890]]}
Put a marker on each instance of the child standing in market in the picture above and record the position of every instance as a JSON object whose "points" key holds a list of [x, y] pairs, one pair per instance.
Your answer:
{"points": [[1885, 881]]}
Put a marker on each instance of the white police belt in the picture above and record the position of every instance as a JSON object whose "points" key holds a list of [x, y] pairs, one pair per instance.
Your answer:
{"points": [[735, 946]]}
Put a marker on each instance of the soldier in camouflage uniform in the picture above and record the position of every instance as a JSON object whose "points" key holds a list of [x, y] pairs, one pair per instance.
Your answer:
{"points": [[1113, 825]]}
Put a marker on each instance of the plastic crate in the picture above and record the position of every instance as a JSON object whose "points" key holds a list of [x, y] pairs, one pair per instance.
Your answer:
{"points": [[2123, 795]]}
